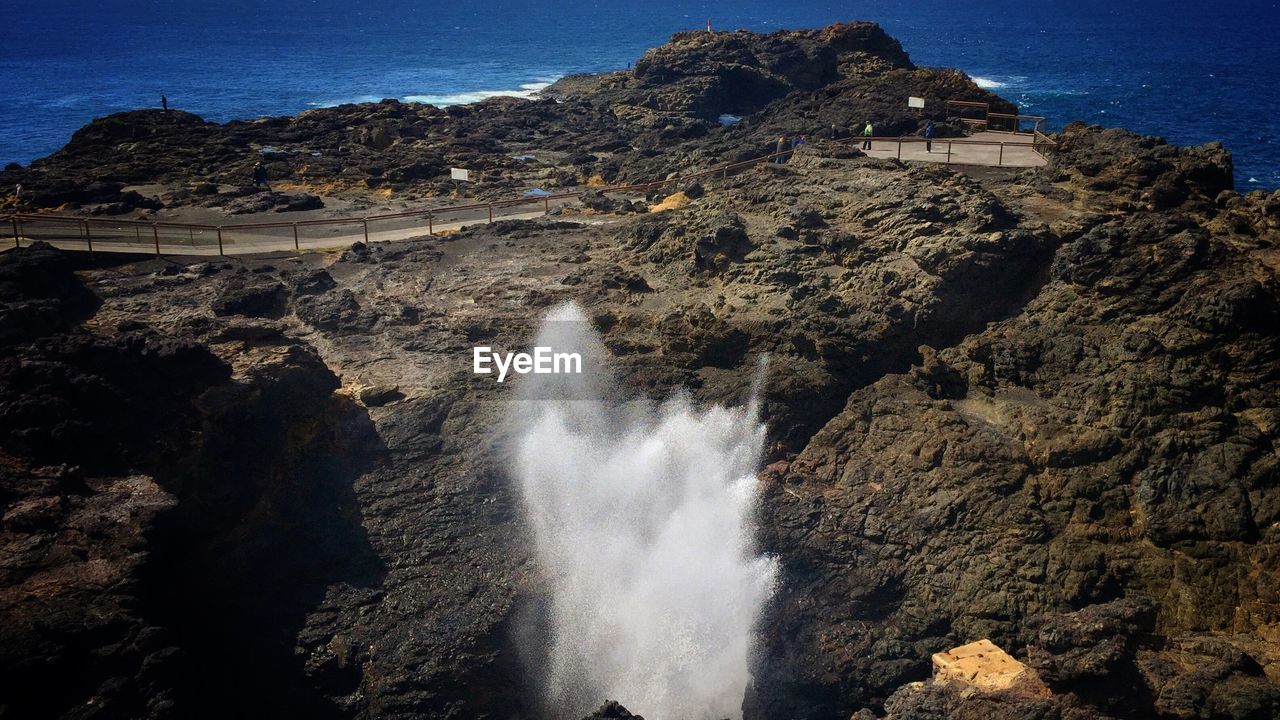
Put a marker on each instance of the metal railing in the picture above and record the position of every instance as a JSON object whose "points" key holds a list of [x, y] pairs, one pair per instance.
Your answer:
{"points": [[998, 122], [993, 121], [1043, 144], [176, 238], [964, 155]]}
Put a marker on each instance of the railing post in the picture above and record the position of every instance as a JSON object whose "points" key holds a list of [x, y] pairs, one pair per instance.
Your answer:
{"points": [[137, 233], [1000, 160], [948, 153], [16, 233], [431, 224], [490, 212], [155, 234], [546, 206], [88, 238], [220, 251], [295, 237], [899, 147], [365, 222]]}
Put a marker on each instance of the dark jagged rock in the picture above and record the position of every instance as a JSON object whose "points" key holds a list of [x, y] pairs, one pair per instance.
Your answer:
{"points": [[335, 312], [1084, 449], [40, 294], [1136, 171], [70, 398], [611, 710], [720, 240], [152, 508], [311, 282], [301, 202], [932, 702], [250, 295]]}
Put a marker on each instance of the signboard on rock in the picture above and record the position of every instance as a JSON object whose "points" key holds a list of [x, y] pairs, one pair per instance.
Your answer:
{"points": [[460, 174], [915, 102]]}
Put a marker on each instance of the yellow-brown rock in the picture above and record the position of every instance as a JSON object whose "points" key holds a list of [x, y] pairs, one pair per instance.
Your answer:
{"points": [[984, 666]]}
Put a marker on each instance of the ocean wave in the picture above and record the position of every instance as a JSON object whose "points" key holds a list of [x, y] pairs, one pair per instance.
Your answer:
{"points": [[527, 91], [988, 83]]}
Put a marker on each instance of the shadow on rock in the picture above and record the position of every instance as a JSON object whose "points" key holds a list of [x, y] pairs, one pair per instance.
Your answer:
{"points": [[266, 525]]}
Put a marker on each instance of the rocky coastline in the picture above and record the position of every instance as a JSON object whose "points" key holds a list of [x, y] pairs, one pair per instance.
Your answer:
{"points": [[1035, 406]]}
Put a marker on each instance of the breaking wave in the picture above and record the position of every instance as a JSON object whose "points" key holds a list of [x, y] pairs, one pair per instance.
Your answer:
{"points": [[526, 90]]}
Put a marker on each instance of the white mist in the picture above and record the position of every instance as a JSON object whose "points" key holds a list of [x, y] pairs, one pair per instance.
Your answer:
{"points": [[643, 522]]}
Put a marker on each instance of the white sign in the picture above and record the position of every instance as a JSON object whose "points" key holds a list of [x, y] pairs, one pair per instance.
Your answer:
{"points": [[915, 102], [460, 174]]}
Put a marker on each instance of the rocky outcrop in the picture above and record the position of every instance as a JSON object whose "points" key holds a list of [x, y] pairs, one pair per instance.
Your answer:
{"points": [[1135, 172], [611, 709], [659, 118], [707, 74], [153, 505], [1110, 440], [40, 295]]}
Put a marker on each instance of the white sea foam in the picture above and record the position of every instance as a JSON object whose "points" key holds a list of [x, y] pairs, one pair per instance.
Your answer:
{"points": [[988, 83], [526, 90], [642, 522]]}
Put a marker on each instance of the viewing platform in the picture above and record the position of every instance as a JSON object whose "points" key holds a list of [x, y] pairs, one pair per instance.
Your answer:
{"points": [[987, 148]]}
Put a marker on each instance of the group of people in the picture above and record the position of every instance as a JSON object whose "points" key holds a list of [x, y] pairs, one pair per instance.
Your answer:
{"points": [[785, 147]]}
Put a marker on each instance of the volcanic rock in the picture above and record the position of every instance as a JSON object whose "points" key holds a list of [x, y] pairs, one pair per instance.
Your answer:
{"points": [[40, 294], [250, 295]]}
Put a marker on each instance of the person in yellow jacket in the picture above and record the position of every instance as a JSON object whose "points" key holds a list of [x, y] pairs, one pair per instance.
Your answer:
{"points": [[866, 136]]}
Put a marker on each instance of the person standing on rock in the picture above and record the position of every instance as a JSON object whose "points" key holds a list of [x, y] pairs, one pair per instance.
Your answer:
{"points": [[164, 104], [260, 176], [866, 136], [797, 142], [928, 136], [780, 150]]}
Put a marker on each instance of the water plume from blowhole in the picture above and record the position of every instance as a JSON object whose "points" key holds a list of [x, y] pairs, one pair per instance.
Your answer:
{"points": [[642, 518]]}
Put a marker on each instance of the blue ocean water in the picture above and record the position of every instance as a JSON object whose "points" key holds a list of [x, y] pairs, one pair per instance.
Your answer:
{"points": [[1188, 71]]}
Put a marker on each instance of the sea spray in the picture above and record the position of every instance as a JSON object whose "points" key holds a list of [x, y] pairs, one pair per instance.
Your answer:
{"points": [[642, 519]]}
